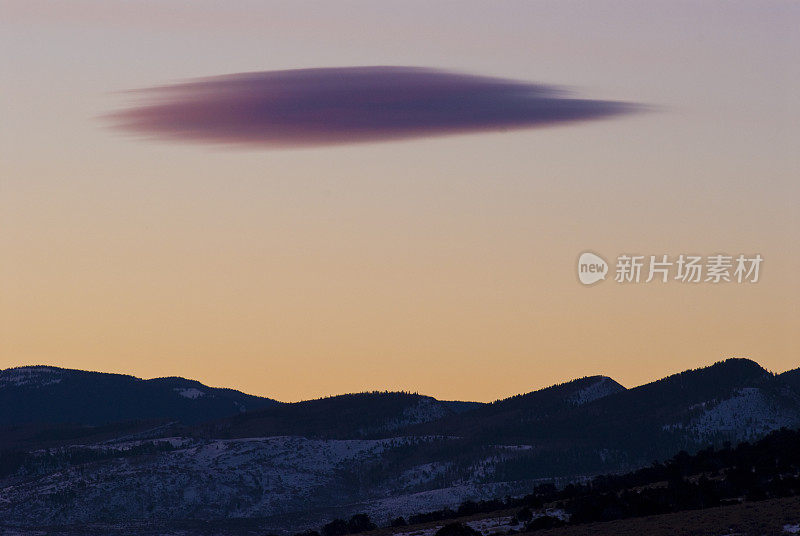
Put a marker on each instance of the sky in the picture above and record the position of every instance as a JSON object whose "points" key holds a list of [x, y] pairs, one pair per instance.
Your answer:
{"points": [[442, 261]]}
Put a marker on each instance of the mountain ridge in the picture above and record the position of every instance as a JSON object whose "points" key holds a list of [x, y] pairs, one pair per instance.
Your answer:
{"points": [[48, 394], [384, 453]]}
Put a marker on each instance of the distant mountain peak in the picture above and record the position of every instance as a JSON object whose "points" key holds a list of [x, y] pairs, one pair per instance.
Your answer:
{"points": [[46, 395], [743, 363], [596, 387], [30, 375], [578, 391], [735, 369], [30, 370], [728, 373]]}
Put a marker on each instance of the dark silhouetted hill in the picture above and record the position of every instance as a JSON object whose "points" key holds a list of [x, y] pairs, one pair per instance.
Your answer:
{"points": [[42, 394]]}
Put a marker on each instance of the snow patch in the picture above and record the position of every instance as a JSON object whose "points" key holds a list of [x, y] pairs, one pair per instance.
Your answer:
{"points": [[30, 376], [425, 410], [491, 525], [189, 392], [422, 474], [749, 413]]}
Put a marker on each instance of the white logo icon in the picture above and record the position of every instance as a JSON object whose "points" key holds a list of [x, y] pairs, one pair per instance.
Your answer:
{"points": [[591, 268]]}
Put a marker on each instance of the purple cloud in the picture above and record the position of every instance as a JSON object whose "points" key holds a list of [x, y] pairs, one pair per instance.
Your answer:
{"points": [[347, 105]]}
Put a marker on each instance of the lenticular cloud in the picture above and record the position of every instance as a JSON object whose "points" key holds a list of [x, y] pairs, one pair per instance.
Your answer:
{"points": [[307, 107]]}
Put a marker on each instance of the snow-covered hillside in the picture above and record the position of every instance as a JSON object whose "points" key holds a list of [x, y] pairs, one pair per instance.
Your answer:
{"points": [[426, 409], [292, 466], [212, 479], [747, 414], [30, 376]]}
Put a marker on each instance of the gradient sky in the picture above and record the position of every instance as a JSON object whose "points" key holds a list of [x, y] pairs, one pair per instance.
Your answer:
{"points": [[440, 265]]}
